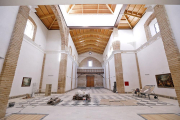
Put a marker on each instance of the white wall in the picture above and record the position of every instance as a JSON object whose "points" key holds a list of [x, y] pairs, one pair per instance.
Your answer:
{"points": [[51, 68], [30, 60], [41, 33], [174, 17], [139, 32], [107, 76], [7, 22], [53, 40], [68, 74], [29, 65], [112, 72], [130, 73], [153, 61], [70, 63]]}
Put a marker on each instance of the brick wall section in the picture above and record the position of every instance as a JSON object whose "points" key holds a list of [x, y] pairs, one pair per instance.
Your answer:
{"points": [[64, 32], [138, 70], [170, 46], [95, 62], [42, 73], [118, 68], [11, 59]]}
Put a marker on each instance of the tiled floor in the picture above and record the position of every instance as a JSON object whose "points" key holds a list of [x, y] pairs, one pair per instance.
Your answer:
{"points": [[70, 109]]}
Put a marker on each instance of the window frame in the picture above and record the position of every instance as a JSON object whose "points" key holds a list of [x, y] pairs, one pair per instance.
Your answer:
{"points": [[89, 63], [156, 28], [35, 28]]}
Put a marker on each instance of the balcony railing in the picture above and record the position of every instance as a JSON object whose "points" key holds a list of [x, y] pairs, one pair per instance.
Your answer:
{"points": [[90, 71]]}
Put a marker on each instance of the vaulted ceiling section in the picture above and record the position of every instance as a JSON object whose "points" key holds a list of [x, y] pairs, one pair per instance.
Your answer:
{"points": [[94, 40]]}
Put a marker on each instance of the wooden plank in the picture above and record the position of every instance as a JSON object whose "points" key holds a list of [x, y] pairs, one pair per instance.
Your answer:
{"points": [[52, 23], [71, 8], [109, 8], [91, 33], [128, 22], [47, 16]]}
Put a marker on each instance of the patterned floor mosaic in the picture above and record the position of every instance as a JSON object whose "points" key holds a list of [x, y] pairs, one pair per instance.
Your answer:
{"points": [[96, 95]]}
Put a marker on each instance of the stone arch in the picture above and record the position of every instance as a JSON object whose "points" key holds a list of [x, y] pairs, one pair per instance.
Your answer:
{"points": [[84, 62]]}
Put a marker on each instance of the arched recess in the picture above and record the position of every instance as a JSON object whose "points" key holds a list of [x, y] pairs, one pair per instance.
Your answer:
{"points": [[70, 50], [95, 62]]}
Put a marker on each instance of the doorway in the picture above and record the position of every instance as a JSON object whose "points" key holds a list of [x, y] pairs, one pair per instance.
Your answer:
{"points": [[90, 81]]}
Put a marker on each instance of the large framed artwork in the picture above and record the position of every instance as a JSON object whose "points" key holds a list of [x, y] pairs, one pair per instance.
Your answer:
{"points": [[26, 82], [164, 81]]}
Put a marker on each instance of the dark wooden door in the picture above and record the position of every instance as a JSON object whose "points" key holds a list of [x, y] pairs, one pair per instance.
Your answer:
{"points": [[90, 81]]}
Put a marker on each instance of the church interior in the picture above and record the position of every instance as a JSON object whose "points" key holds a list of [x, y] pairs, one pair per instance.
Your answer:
{"points": [[93, 60]]}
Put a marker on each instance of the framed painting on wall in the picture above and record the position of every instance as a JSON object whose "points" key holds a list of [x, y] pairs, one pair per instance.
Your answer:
{"points": [[164, 81], [26, 82]]}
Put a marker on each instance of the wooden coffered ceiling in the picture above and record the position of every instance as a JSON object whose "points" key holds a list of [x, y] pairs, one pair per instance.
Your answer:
{"points": [[132, 15], [91, 9], [46, 15], [94, 40]]}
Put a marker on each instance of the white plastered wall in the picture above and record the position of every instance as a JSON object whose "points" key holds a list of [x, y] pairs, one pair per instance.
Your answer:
{"points": [[7, 22], [71, 64], [152, 59], [174, 17], [51, 68], [30, 60]]}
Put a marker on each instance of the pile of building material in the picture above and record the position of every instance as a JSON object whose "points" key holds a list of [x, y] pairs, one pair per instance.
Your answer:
{"points": [[54, 101], [82, 95]]}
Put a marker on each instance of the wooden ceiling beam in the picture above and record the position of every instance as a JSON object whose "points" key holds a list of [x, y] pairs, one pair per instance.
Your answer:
{"points": [[71, 8], [90, 39], [90, 47], [47, 16], [128, 22], [87, 50], [109, 8], [132, 15], [87, 44], [91, 33], [52, 23]]}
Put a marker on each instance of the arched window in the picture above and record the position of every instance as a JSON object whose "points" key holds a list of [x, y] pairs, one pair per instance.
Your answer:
{"points": [[74, 58], [70, 50], [30, 29]]}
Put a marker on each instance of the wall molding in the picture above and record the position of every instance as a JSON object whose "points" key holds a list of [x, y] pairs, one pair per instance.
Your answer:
{"points": [[146, 44], [28, 40], [65, 52]]}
